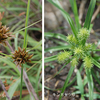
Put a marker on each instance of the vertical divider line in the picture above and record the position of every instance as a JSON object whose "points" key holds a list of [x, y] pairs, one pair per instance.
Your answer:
{"points": [[42, 49]]}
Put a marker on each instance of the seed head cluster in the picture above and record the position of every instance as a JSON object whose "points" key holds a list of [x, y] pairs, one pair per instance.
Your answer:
{"points": [[77, 49], [4, 31], [21, 56]]}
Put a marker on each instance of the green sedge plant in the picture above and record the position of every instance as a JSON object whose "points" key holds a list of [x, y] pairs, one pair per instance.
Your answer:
{"points": [[24, 45], [77, 49]]}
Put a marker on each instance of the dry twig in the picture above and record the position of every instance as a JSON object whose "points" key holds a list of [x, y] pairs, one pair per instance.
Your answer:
{"points": [[96, 13]]}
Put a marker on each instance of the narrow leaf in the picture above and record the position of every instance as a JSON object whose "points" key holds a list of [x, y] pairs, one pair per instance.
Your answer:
{"points": [[80, 83], [55, 35], [66, 81], [75, 11], [89, 14], [90, 83]]}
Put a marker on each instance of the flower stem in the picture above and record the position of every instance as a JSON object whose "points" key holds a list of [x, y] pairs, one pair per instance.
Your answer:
{"points": [[21, 82]]}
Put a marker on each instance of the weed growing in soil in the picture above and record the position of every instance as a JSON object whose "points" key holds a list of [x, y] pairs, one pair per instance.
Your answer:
{"points": [[77, 51]]}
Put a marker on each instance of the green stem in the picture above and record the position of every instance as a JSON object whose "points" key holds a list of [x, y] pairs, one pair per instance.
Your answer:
{"points": [[90, 83], [26, 24], [21, 83]]}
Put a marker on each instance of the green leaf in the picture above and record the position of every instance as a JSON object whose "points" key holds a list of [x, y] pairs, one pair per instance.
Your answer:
{"points": [[96, 78], [90, 83], [95, 62], [95, 96], [85, 81], [80, 83], [13, 88], [27, 97], [74, 8], [52, 58], [38, 77], [66, 81], [66, 16], [7, 61], [82, 98], [89, 14], [55, 35], [57, 48], [26, 24]]}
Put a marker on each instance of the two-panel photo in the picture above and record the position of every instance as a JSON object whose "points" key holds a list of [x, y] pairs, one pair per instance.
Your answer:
{"points": [[49, 49]]}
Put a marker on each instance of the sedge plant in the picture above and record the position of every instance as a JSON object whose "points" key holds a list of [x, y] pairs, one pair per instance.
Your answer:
{"points": [[77, 49], [22, 56]]}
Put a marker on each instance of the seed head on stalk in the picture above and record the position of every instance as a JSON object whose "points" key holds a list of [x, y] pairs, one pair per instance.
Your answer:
{"points": [[21, 56]]}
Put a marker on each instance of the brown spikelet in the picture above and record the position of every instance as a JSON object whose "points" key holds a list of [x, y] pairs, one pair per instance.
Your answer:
{"points": [[1, 15], [21, 56], [4, 33]]}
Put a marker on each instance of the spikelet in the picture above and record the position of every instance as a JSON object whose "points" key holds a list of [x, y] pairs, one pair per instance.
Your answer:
{"points": [[21, 56], [83, 34], [63, 56], [88, 62], [4, 31]]}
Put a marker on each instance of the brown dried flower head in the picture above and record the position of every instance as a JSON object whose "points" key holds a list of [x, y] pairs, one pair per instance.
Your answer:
{"points": [[21, 56], [4, 31]]}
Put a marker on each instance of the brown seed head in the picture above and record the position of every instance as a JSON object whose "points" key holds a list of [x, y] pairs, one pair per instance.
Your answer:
{"points": [[21, 56], [4, 31]]}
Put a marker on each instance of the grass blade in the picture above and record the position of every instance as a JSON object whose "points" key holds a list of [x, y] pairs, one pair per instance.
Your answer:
{"points": [[57, 48], [89, 14], [74, 8], [12, 65], [55, 35], [95, 63], [90, 83], [96, 78], [26, 24], [80, 83], [13, 88], [66, 81], [52, 58]]}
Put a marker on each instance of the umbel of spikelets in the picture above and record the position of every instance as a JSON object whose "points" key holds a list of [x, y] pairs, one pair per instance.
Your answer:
{"points": [[4, 31], [21, 56]]}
